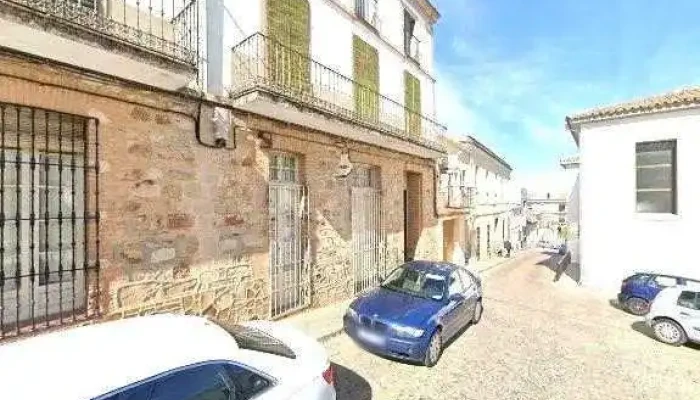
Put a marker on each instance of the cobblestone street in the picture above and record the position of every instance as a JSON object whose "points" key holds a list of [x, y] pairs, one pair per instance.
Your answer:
{"points": [[538, 339]]}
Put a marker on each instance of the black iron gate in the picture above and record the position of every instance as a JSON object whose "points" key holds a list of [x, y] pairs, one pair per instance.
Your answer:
{"points": [[49, 219]]}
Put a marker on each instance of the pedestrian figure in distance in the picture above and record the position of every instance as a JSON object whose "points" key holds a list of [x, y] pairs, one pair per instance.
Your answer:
{"points": [[508, 247]]}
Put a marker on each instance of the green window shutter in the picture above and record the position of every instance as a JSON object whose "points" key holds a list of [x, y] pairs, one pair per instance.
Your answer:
{"points": [[413, 104], [288, 27], [366, 75]]}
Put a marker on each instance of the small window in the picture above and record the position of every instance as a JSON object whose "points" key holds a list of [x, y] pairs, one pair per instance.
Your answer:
{"points": [[656, 177], [409, 26], [666, 281], [455, 284], [365, 176], [284, 168], [689, 300]]}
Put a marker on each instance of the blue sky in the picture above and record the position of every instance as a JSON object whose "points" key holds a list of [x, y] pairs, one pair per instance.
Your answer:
{"points": [[509, 71]]}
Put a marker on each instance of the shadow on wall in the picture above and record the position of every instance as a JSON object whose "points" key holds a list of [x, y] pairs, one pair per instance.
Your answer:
{"points": [[351, 386]]}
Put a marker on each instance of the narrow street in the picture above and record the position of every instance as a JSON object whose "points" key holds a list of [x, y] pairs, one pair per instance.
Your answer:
{"points": [[538, 339]]}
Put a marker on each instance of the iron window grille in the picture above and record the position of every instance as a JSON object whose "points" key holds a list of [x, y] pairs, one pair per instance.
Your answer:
{"points": [[284, 168], [49, 219], [656, 177]]}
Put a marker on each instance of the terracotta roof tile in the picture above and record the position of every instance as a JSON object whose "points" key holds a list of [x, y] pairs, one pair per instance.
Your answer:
{"points": [[682, 98]]}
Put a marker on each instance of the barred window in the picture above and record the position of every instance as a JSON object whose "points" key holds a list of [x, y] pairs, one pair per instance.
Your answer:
{"points": [[365, 176], [284, 168], [656, 177], [48, 218]]}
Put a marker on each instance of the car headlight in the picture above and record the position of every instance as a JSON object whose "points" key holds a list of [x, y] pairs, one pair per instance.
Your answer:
{"points": [[407, 331], [352, 314]]}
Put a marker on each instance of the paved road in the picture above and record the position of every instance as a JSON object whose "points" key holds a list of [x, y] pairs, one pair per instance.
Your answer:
{"points": [[538, 339]]}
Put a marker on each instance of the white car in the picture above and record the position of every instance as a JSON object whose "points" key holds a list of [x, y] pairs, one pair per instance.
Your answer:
{"points": [[167, 357], [675, 315]]}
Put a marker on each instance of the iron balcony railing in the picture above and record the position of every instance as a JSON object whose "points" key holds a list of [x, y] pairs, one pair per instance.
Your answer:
{"points": [[367, 11], [167, 27], [414, 48], [262, 63], [460, 197]]}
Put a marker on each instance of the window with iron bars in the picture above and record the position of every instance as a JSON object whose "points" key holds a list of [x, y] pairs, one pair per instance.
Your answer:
{"points": [[365, 176], [49, 220], [284, 168]]}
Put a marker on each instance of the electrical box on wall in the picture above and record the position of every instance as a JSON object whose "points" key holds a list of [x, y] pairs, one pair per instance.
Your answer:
{"points": [[222, 128]]}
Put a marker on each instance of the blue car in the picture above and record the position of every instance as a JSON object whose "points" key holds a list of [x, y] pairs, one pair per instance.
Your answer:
{"points": [[420, 306], [639, 290]]}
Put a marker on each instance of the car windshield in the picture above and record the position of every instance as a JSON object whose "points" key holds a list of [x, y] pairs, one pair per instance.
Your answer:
{"points": [[416, 283]]}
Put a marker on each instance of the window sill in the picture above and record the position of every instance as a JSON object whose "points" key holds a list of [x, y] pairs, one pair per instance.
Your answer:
{"points": [[657, 217]]}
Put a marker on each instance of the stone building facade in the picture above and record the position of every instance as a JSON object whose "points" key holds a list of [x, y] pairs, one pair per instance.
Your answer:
{"points": [[270, 215]]}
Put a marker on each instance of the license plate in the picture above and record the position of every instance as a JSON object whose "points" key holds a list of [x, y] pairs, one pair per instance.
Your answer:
{"points": [[371, 337]]}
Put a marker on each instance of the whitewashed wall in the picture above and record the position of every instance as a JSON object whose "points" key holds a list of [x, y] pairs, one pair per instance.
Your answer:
{"points": [[615, 240], [333, 23]]}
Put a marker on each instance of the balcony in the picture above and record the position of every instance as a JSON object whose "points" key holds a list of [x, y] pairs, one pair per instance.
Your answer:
{"points": [[113, 36], [460, 197], [456, 193], [367, 11], [414, 49], [272, 79]]}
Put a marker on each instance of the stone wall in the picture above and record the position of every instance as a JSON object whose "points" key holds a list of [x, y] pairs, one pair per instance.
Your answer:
{"points": [[330, 224], [184, 228]]}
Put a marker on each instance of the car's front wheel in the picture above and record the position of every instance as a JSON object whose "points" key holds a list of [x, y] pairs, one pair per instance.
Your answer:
{"points": [[434, 351], [637, 306], [669, 332]]}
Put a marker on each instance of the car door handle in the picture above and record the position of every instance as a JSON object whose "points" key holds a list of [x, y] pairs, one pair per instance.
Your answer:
{"points": [[685, 314]]}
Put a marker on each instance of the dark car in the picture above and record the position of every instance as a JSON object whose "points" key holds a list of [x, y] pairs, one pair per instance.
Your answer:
{"points": [[419, 307], [639, 290]]}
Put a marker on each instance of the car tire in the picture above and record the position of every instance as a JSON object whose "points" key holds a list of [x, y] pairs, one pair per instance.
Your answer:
{"points": [[637, 306], [434, 350], [669, 331], [478, 311]]}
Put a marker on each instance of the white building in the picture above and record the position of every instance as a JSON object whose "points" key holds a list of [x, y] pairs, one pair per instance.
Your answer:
{"points": [[399, 31], [571, 165], [638, 194], [546, 215], [491, 221], [477, 202]]}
